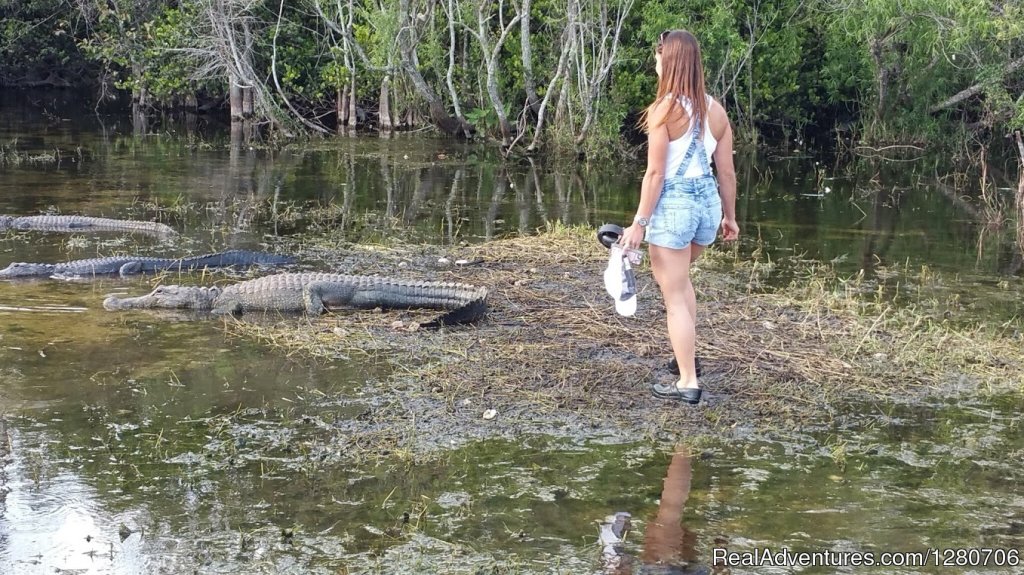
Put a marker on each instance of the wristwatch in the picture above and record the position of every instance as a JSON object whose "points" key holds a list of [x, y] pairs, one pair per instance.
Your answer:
{"points": [[644, 222]]}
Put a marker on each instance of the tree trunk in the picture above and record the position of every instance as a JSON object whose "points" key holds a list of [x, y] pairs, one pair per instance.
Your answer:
{"points": [[499, 106], [235, 100], [237, 139], [438, 114], [492, 55], [248, 110], [882, 81], [410, 65], [353, 118], [411, 118], [1019, 200], [139, 88], [597, 56], [341, 107], [139, 123], [568, 37], [562, 106], [386, 125], [532, 100], [449, 76]]}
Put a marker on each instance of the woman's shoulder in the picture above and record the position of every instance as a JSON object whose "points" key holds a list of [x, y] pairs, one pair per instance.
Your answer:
{"points": [[663, 107], [714, 106], [718, 119], [665, 102]]}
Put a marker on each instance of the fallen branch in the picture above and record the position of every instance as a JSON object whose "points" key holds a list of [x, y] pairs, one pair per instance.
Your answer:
{"points": [[975, 89]]}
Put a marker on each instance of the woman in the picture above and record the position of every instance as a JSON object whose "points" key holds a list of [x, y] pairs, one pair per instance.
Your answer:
{"points": [[682, 203]]}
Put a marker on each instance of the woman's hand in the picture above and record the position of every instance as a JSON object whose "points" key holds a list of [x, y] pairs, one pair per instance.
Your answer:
{"points": [[730, 230], [632, 237]]}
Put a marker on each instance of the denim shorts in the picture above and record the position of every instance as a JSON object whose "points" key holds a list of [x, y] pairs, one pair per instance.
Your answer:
{"points": [[689, 210]]}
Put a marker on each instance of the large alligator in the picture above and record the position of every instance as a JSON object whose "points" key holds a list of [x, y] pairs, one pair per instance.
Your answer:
{"points": [[126, 265], [314, 293], [67, 223]]}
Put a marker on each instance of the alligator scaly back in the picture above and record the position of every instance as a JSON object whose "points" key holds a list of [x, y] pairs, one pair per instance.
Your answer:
{"points": [[314, 293], [69, 223], [126, 265]]}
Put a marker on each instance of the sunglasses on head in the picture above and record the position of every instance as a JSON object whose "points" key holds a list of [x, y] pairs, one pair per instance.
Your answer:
{"points": [[661, 40]]}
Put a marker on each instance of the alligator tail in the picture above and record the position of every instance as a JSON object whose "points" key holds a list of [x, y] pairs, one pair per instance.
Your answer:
{"points": [[469, 313]]}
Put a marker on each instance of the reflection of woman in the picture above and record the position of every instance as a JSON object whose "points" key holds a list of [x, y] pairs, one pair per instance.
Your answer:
{"points": [[666, 541], [669, 547], [682, 203]]}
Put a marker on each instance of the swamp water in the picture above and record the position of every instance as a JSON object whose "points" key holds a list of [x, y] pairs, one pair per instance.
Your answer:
{"points": [[135, 443]]}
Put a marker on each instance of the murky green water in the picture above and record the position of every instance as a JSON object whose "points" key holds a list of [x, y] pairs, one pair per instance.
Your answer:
{"points": [[144, 444]]}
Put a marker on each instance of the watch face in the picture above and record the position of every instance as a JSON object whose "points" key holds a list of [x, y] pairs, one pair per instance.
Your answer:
{"points": [[643, 222]]}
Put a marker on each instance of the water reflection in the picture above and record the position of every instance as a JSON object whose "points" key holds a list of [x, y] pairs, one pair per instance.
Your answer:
{"points": [[53, 521], [217, 493], [667, 541], [881, 222], [669, 546]]}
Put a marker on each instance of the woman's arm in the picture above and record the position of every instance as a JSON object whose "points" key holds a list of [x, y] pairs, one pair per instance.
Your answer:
{"points": [[654, 176], [725, 171]]}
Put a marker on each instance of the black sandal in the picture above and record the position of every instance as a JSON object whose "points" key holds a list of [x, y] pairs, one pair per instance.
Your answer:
{"points": [[673, 366]]}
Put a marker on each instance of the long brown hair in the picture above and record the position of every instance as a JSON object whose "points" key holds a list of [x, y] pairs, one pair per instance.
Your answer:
{"points": [[682, 75]]}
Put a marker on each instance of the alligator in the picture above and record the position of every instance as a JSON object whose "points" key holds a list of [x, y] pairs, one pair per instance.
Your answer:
{"points": [[126, 265], [67, 223], [316, 292]]}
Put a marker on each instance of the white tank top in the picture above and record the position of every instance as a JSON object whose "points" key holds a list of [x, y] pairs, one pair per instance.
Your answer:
{"points": [[677, 148]]}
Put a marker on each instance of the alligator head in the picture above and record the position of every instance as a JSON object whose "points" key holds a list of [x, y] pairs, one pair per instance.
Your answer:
{"points": [[167, 297], [21, 269]]}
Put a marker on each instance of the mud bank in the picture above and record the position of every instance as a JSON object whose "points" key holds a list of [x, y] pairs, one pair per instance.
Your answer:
{"points": [[553, 357]]}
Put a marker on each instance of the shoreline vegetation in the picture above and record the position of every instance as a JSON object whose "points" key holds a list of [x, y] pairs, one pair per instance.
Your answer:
{"points": [[535, 76], [542, 79], [553, 357]]}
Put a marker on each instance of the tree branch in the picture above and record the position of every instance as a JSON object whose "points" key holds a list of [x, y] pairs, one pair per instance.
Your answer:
{"points": [[975, 89], [273, 71], [344, 33]]}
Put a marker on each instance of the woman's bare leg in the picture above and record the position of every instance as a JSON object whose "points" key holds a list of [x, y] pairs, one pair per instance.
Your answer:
{"points": [[671, 269], [695, 251]]}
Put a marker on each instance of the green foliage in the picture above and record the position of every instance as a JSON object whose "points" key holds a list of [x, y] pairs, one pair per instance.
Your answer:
{"points": [[168, 72], [779, 66], [915, 54], [334, 72], [39, 42], [118, 37], [300, 56], [754, 57], [484, 118]]}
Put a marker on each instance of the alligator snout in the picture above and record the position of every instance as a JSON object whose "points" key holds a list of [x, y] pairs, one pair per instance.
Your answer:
{"points": [[112, 302]]}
